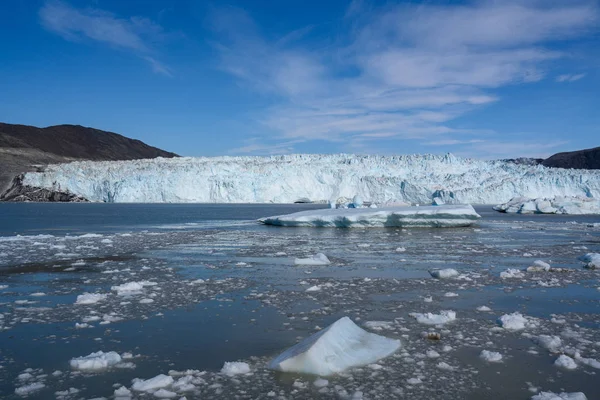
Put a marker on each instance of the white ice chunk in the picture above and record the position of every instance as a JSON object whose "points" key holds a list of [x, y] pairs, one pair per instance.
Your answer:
{"points": [[131, 288], [340, 346], [561, 396], [235, 368], [513, 322], [555, 205], [444, 273], [539, 266], [317, 259], [26, 390], [490, 356], [443, 317], [511, 273], [158, 382], [550, 343], [90, 298], [96, 361], [591, 260], [565, 362], [428, 216], [164, 394]]}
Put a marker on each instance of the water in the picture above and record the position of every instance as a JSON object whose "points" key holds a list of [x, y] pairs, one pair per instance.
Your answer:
{"points": [[253, 304]]}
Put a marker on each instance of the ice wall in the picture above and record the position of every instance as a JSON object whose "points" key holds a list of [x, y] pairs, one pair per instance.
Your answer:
{"points": [[286, 179]]}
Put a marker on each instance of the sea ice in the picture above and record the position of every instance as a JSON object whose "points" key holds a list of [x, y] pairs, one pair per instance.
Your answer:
{"points": [[30, 388], [131, 288], [513, 322], [490, 356], [565, 362], [443, 317], [340, 346], [90, 298], [427, 216], [317, 259], [235, 368], [538, 266], [550, 343], [555, 205], [444, 273], [158, 382], [591, 260], [561, 396], [511, 273], [96, 361]]}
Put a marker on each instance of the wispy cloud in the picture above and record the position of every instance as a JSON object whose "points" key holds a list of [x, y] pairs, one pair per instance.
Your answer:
{"points": [[136, 34], [569, 77], [402, 71]]}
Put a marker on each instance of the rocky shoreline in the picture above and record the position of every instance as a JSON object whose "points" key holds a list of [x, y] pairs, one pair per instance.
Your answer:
{"points": [[19, 193]]}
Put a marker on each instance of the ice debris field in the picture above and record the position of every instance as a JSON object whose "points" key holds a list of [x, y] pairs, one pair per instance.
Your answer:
{"points": [[508, 308], [416, 179]]}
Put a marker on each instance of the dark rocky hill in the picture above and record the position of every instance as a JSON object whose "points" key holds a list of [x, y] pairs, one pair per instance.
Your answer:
{"points": [[581, 159], [24, 148]]}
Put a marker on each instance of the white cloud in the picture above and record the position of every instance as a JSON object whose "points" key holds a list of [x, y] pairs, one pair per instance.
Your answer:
{"points": [[569, 77], [399, 71], [135, 34]]}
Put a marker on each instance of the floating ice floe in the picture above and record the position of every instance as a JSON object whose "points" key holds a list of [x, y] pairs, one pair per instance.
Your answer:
{"points": [[235, 368], [555, 205], [539, 266], [90, 298], [427, 216], [158, 382], [550, 343], [97, 361], [340, 346], [444, 273], [511, 273], [26, 390], [513, 322], [131, 288], [490, 356], [561, 396], [443, 317], [317, 259], [565, 362], [591, 260]]}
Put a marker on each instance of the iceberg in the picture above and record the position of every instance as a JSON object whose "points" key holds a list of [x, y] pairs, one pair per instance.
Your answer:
{"points": [[427, 216], [317, 259], [555, 205], [415, 179], [591, 260], [96, 361], [340, 346]]}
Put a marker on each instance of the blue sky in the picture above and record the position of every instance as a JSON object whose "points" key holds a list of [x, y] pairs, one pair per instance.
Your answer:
{"points": [[485, 79]]}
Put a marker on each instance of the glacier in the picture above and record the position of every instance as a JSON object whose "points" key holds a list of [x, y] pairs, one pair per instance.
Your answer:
{"points": [[417, 179]]}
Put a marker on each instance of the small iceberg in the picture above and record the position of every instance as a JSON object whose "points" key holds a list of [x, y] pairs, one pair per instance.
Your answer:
{"points": [[340, 346], [554, 205], [444, 216], [591, 260], [317, 259]]}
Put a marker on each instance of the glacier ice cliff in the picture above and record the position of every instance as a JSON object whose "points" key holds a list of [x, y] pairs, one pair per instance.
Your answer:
{"points": [[289, 178]]}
